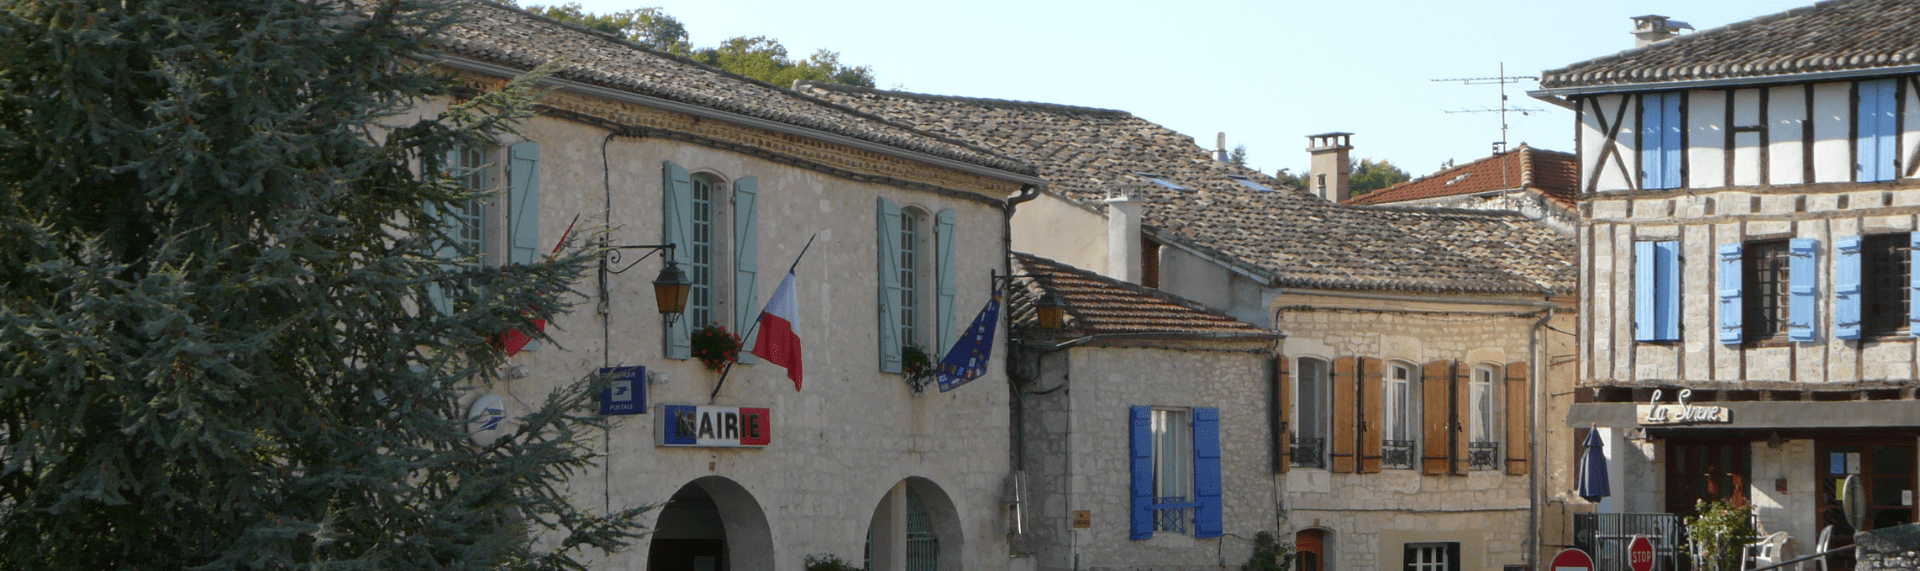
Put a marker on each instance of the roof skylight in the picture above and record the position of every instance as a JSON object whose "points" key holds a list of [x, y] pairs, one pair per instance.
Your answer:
{"points": [[1249, 183], [1159, 180]]}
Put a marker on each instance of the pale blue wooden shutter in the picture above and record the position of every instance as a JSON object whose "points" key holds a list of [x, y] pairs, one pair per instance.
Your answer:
{"points": [[1666, 262], [1803, 270], [1913, 286], [1206, 472], [1660, 138], [445, 248], [1730, 284], [1646, 280], [1140, 448], [1846, 289], [677, 220], [948, 287], [889, 253], [1878, 125], [1671, 135], [746, 263], [523, 199]]}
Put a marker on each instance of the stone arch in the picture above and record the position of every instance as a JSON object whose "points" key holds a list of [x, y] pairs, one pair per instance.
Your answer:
{"points": [[711, 517], [912, 516]]}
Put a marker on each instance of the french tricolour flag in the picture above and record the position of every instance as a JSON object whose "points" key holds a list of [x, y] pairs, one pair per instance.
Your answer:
{"points": [[779, 342]]}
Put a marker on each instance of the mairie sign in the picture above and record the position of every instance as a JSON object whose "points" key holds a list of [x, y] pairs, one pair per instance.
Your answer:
{"points": [[713, 426]]}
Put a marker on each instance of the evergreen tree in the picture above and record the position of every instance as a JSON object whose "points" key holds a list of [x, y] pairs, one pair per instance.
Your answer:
{"points": [[217, 235]]}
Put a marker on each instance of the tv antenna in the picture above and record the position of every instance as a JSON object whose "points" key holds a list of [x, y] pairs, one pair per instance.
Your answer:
{"points": [[1502, 80]]}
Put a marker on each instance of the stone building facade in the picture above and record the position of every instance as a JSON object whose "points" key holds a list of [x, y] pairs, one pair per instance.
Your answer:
{"points": [[1746, 251], [635, 147]]}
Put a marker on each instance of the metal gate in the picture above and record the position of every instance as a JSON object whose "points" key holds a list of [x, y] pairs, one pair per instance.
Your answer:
{"points": [[1606, 537], [923, 549]]}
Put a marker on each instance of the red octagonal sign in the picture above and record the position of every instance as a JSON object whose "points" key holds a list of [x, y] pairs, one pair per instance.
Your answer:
{"points": [[1640, 554], [1571, 559]]}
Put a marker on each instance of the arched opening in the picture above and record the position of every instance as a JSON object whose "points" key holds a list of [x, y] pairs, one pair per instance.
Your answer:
{"points": [[711, 524], [1310, 547], [915, 527]]}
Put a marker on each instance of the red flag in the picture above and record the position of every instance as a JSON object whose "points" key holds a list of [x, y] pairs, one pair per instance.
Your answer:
{"points": [[779, 342], [514, 339]]}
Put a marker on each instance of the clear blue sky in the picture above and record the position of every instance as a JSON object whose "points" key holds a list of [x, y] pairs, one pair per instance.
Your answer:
{"points": [[1267, 73]]}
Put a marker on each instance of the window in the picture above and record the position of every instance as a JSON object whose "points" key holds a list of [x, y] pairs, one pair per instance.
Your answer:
{"points": [[469, 220], [1661, 140], [1160, 180], [1876, 149], [485, 229], [1172, 468], [1397, 446], [1483, 451], [910, 223], [1175, 476], [695, 220], [1309, 443], [698, 255], [918, 283], [1249, 183], [1431, 557], [1886, 274], [1768, 299], [1656, 279]]}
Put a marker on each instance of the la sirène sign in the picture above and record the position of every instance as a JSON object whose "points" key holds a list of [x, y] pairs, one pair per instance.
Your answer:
{"points": [[685, 425], [1656, 414]]}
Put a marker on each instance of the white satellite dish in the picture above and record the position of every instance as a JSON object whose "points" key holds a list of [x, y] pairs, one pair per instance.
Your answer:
{"points": [[487, 419]]}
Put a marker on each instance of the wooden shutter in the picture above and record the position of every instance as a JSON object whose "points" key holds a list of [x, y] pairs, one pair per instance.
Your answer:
{"points": [[1281, 415], [746, 263], [1140, 448], [1846, 288], [1731, 282], [1373, 422], [1462, 395], [1518, 425], [1645, 283], [523, 203], [1878, 128], [1666, 301], [1660, 140], [677, 222], [888, 250], [1437, 424], [1803, 269], [1346, 414], [1913, 289], [1206, 473], [948, 286]]}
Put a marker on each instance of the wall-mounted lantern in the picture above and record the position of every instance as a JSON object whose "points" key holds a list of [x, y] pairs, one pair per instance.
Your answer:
{"points": [[1049, 311], [670, 289]]}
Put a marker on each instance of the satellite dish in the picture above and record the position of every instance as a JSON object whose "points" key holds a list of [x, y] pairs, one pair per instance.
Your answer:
{"points": [[487, 419]]}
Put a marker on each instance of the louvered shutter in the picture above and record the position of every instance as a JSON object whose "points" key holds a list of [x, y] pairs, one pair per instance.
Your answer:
{"points": [[1671, 131], [1660, 140], [1434, 446], [1846, 288], [1140, 448], [1462, 395], [1346, 418], [677, 222], [1666, 303], [1282, 414], [523, 198], [1206, 472], [1646, 285], [889, 254], [1518, 427], [1878, 127], [1373, 424], [1731, 282], [1913, 287], [1804, 274], [948, 286], [746, 263]]}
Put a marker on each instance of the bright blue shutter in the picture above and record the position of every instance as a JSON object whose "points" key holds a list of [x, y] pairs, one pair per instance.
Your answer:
{"points": [[523, 198], [677, 220], [1913, 287], [1730, 283], [1846, 289], [1878, 128], [888, 231], [1652, 171], [1804, 271], [948, 286], [1646, 280], [1671, 130], [746, 262], [1206, 472], [1140, 447], [1666, 264]]}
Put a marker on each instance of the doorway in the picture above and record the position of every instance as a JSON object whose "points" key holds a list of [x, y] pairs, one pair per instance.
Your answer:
{"points": [[1886, 470], [710, 524], [1310, 547], [1706, 469]]}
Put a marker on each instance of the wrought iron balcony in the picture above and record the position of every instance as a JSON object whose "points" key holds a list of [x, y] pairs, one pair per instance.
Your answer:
{"points": [[1171, 513], [1310, 452], [1397, 454], [1483, 455]]}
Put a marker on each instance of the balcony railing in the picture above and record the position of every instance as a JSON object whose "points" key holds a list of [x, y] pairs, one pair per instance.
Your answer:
{"points": [[1171, 513], [1310, 452], [1397, 454], [1483, 456]]}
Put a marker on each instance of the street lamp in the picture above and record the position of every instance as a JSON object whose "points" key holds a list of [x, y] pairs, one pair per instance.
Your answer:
{"points": [[670, 289], [1049, 311]]}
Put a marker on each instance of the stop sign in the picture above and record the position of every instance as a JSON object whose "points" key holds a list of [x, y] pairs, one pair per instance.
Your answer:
{"points": [[1640, 554], [1571, 559]]}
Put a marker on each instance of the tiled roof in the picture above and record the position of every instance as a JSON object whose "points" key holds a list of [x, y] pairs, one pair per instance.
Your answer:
{"points": [[1551, 173], [507, 36], [1838, 35], [1296, 239], [1507, 240], [1099, 305]]}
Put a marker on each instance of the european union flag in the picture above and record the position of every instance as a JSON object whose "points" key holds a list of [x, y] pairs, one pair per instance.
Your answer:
{"points": [[968, 358]]}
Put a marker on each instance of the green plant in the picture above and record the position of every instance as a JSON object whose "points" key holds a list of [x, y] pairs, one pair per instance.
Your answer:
{"points": [[1720, 531], [1269, 554], [917, 366], [714, 346], [829, 562]]}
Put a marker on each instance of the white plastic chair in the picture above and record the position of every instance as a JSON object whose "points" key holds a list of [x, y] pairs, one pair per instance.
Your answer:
{"points": [[1825, 543], [1764, 552]]}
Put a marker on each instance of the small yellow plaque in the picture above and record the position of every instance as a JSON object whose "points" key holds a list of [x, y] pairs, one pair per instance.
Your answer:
{"points": [[1082, 519]]}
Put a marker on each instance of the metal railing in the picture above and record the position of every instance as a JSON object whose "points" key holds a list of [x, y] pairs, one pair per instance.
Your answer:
{"points": [[1171, 513], [1606, 537], [1483, 456], [1310, 452], [1397, 454], [1803, 559]]}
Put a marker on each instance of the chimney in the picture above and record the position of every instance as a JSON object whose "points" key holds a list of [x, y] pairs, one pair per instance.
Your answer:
{"points": [[1220, 149], [1652, 29], [1330, 167], [1123, 239]]}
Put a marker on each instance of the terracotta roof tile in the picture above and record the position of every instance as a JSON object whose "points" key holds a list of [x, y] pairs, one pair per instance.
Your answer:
{"points": [[1099, 305], [1837, 35], [1551, 173]]}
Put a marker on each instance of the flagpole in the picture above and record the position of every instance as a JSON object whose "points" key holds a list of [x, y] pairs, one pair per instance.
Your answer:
{"points": [[756, 324]]}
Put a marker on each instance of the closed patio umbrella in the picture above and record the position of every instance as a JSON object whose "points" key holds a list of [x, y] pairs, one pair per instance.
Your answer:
{"points": [[1592, 483]]}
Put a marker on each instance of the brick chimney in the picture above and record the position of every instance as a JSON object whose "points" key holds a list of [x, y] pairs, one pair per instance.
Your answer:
{"points": [[1330, 167], [1652, 29]]}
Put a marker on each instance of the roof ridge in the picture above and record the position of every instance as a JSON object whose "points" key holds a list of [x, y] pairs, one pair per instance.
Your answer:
{"points": [[1155, 293], [1438, 210], [1689, 38], [989, 102]]}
